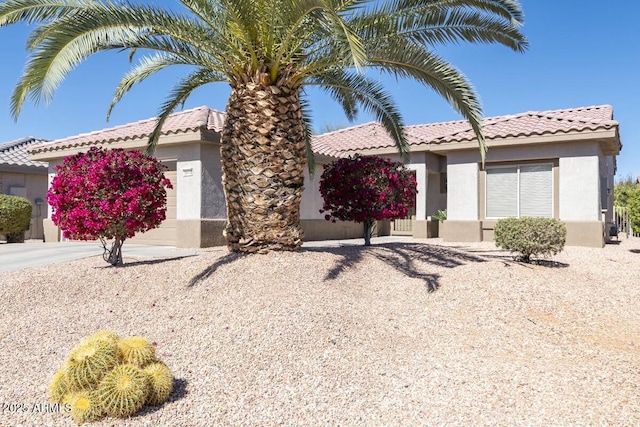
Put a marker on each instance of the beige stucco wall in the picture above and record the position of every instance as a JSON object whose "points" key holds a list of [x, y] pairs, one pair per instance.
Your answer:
{"points": [[581, 174], [311, 198], [36, 186], [436, 198], [579, 188], [462, 189]]}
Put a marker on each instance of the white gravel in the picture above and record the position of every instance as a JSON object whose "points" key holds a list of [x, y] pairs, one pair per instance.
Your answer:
{"points": [[345, 335]]}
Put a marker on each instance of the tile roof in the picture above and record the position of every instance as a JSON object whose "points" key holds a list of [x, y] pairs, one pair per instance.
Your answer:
{"points": [[372, 135], [15, 152], [369, 135], [181, 122]]}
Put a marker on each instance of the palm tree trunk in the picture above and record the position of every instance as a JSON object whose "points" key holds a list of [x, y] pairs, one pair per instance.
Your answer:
{"points": [[263, 160]]}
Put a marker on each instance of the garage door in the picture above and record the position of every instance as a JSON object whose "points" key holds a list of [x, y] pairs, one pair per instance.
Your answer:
{"points": [[166, 233]]}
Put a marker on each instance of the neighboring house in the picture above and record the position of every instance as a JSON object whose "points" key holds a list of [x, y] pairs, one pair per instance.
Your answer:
{"points": [[557, 164], [21, 176]]}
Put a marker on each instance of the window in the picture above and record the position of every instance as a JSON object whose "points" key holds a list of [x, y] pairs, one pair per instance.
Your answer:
{"points": [[517, 191]]}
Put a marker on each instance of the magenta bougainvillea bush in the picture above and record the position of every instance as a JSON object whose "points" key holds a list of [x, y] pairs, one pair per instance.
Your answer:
{"points": [[365, 189], [108, 194]]}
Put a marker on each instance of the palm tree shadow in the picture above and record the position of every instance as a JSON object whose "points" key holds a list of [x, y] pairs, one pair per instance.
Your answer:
{"points": [[408, 258], [208, 272]]}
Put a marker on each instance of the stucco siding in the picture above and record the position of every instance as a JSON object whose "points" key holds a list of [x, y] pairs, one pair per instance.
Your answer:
{"points": [[311, 198], [436, 198], [579, 188], [462, 193], [189, 178], [213, 202]]}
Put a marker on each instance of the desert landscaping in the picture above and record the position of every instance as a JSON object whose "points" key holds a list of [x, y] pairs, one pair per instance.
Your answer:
{"points": [[399, 333]]}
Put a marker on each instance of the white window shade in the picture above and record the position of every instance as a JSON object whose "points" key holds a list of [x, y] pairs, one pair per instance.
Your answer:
{"points": [[536, 191], [502, 192]]}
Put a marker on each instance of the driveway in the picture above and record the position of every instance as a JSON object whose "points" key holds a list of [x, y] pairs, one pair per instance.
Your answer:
{"points": [[16, 256]]}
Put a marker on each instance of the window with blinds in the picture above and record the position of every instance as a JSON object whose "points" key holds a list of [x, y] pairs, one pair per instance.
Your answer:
{"points": [[517, 191]]}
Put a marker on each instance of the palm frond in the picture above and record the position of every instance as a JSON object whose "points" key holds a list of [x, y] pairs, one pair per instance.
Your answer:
{"points": [[371, 95], [148, 66], [419, 64], [178, 96], [308, 133], [37, 11], [445, 26]]}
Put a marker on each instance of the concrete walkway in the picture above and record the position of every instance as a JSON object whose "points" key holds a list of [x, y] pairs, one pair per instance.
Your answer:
{"points": [[16, 256]]}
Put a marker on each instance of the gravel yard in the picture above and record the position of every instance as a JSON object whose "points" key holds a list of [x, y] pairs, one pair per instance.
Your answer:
{"points": [[401, 333]]}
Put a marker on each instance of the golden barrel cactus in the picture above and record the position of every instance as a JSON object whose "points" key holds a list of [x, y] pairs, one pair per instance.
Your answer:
{"points": [[137, 351], [85, 406], [123, 391], [88, 362], [160, 383]]}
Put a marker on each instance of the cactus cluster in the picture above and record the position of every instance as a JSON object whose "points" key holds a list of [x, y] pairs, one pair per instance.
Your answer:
{"points": [[105, 375]]}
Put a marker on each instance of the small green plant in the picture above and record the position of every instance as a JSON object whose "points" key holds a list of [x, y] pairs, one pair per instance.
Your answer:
{"points": [[97, 378], [530, 236], [441, 215], [15, 217]]}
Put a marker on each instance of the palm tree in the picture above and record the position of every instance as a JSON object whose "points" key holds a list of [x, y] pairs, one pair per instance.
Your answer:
{"points": [[268, 51]]}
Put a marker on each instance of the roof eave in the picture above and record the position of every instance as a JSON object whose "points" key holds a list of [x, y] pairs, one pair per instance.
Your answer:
{"points": [[608, 139], [47, 153], [13, 168]]}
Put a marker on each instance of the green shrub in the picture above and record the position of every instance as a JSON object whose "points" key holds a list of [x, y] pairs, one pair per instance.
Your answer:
{"points": [[15, 217], [634, 209], [531, 236]]}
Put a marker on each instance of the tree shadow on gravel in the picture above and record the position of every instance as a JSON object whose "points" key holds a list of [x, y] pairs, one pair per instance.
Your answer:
{"points": [[402, 257], [208, 272], [509, 258], [179, 391], [149, 261]]}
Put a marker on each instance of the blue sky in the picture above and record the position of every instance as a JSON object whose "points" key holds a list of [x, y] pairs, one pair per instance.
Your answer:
{"points": [[582, 53]]}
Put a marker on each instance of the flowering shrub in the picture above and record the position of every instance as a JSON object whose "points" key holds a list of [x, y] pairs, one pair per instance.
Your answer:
{"points": [[365, 189], [108, 194]]}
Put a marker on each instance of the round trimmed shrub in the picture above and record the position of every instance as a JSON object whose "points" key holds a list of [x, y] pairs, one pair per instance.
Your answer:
{"points": [[15, 217], [529, 236]]}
